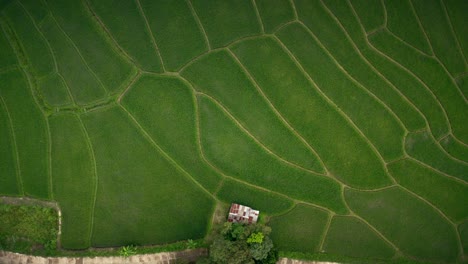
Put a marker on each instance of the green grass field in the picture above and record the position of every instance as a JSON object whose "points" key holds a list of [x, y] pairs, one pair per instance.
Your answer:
{"points": [[344, 121]]}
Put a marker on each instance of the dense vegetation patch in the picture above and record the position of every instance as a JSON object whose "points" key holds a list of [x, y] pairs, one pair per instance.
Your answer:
{"points": [[28, 229]]}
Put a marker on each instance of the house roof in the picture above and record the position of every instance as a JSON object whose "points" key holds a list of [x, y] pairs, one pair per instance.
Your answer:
{"points": [[242, 214]]}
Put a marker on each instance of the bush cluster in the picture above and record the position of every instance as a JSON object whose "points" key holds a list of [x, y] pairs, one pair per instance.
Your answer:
{"points": [[28, 229], [240, 243]]}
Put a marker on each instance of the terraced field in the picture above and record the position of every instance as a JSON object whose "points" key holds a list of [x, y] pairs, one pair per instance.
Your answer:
{"points": [[344, 121]]}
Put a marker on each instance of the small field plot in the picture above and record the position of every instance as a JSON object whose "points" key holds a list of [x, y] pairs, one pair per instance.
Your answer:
{"points": [[412, 225], [165, 108], [301, 229], [350, 236], [142, 198], [30, 134], [74, 179]]}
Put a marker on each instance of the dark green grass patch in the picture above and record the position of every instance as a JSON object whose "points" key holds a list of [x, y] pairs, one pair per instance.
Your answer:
{"points": [[432, 74], [28, 229], [228, 20], [176, 31], [73, 179], [128, 27], [300, 229], [422, 146], [30, 130], [456, 10], [6, 52], [447, 194], [417, 229], [238, 155], [346, 154], [229, 85], [455, 148], [462, 83], [37, 9], [267, 202], [82, 82], [435, 23], [402, 21], [54, 90], [142, 198], [463, 231], [33, 44], [109, 66], [364, 72], [274, 13], [371, 13], [376, 122], [351, 237], [8, 180], [164, 106]]}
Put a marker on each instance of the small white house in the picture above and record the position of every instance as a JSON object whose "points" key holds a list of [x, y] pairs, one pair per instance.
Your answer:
{"points": [[242, 214]]}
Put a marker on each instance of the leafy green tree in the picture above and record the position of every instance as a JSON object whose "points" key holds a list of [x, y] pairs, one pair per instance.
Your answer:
{"points": [[239, 243]]}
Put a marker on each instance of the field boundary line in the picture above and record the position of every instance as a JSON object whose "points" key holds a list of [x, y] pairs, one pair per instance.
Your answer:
{"points": [[439, 146], [452, 224], [163, 153], [374, 229], [455, 36], [382, 2], [143, 15], [435, 55], [412, 74], [296, 17], [259, 18], [334, 106], [277, 112], [119, 48], [384, 56], [95, 174], [72, 98], [257, 141], [437, 171], [199, 24], [49, 159], [81, 55], [430, 205], [421, 27], [41, 34], [346, 73], [369, 64], [404, 42], [130, 85], [31, 87], [458, 140], [325, 231], [19, 180], [225, 176], [198, 135]]}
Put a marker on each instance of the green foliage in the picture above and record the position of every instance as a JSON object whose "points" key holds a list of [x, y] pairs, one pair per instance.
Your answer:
{"points": [[239, 243], [127, 251], [255, 238], [191, 244], [28, 229]]}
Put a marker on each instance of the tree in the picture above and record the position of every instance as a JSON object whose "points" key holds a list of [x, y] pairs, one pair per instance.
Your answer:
{"points": [[239, 243]]}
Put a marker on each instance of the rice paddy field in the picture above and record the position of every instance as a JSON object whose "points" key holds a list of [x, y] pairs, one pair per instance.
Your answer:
{"points": [[345, 122]]}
